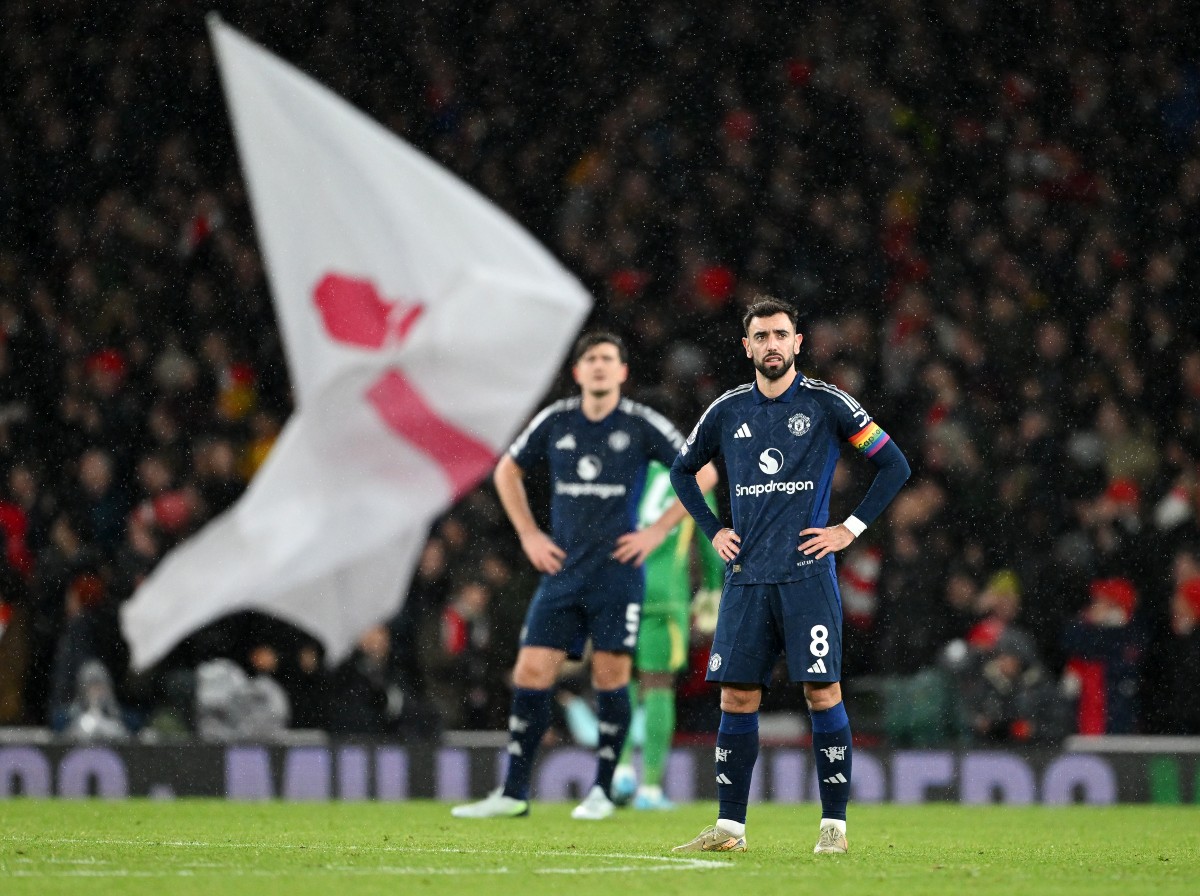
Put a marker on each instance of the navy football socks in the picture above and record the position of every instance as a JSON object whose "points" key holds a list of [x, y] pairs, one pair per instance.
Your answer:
{"points": [[613, 712], [528, 720], [737, 751], [832, 755]]}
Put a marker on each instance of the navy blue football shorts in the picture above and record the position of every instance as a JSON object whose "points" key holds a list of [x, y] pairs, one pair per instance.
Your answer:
{"points": [[605, 605], [757, 623]]}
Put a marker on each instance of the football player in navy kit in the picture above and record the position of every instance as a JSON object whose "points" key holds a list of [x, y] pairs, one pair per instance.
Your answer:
{"points": [[780, 437], [597, 446]]}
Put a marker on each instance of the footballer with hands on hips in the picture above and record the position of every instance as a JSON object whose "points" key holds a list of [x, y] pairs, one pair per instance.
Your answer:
{"points": [[780, 438]]}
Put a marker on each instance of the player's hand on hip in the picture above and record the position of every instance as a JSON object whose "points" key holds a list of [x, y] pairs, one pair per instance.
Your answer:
{"points": [[823, 541], [728, 543], [635, 547], [542, 552]]}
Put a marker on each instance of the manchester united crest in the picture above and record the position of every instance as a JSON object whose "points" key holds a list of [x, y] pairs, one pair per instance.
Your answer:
{"points": [[799, 424]]}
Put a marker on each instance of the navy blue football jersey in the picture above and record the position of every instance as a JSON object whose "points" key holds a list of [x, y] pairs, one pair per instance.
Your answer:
{"points": [[597, 473], [779, 454]]}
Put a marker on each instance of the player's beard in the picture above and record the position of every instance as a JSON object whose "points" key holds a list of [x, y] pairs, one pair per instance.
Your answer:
{"points": [[600, 392], [789, 361]]}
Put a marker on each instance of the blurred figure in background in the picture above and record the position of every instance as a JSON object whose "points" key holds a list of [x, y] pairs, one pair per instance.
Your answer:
{"points": [[94, 714], [367, 693], [89, 633], [1182, 654], [1009, 698], [467, 658], [1105, 645], [663, 640]]}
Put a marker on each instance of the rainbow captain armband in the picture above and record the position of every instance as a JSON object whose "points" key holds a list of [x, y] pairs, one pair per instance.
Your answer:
{"points": [[869, 439]]}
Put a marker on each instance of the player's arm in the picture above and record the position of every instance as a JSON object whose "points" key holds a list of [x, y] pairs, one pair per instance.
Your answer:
{"points": [[635, 547], [891, 472], [543, 553], [689, 493]]}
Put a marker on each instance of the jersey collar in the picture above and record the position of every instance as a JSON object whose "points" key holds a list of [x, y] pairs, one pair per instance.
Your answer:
{"points": [[788, 396]]}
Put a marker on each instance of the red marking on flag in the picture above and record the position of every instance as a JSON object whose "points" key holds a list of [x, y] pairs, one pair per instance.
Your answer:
{"points": [[353, 311], [464, 459]]}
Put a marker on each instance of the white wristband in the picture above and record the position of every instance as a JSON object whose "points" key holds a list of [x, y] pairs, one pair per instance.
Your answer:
{"points": [[856, 526]]}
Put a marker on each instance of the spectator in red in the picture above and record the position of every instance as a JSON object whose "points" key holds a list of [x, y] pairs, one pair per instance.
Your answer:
{"points": [[467, 654], [1105, 645]]}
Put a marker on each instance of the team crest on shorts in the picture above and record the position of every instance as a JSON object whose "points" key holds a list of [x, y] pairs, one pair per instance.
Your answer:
{"points": [[799, 424], [714, 662], [619, 440]]}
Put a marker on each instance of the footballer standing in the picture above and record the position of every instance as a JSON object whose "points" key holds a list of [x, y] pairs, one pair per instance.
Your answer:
{"points": [[597, 446], [780, 439]]}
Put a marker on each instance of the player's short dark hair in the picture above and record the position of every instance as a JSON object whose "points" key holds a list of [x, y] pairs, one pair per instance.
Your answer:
{"points": [[598, 337], [765, 306]]}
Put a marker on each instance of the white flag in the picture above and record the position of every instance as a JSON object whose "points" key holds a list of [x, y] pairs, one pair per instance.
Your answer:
{"points": [[421, 325]]}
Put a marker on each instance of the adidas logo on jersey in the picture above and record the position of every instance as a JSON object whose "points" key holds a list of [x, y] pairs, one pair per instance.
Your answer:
{"points": [[566, 443], [743, 432], [818, 666]]}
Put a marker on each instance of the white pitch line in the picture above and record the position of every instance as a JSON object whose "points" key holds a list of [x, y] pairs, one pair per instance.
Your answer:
{"points": [[344, 870], [663, 863]]}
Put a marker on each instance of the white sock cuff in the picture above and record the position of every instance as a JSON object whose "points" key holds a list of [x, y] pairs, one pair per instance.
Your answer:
{"points": [[736, 828], [836, 822]]}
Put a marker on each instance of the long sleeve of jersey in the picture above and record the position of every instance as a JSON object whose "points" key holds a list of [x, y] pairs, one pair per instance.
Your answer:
{"points": [[892, 471], [690, 496]]}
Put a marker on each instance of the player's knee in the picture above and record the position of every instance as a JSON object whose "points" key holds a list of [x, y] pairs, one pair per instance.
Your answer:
{"points": [[822, 696], [611, 670], [535, 670], [740, 700]]}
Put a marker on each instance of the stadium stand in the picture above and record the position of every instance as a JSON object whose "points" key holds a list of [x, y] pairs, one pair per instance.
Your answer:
{"points": [[988, 214]]}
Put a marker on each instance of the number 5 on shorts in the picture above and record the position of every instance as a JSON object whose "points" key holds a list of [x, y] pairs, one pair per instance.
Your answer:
{"points": [[633, 614]]}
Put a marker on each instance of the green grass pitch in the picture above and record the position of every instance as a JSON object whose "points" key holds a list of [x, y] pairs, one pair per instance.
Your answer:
{"points": [[203, 846]]}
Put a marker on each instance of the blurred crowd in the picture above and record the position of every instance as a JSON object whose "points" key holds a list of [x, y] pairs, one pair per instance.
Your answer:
{"points": [[987, 213]]}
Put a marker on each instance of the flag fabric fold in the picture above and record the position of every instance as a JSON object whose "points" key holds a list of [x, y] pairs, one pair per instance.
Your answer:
{"points": [[421, 325]]}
